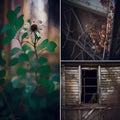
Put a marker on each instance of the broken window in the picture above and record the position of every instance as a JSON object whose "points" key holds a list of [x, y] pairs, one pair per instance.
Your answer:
{"points": [[89, 85], [86, 29]]}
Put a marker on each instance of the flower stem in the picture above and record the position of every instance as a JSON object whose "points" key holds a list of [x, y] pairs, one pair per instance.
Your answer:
{"points": [[36, 72]]}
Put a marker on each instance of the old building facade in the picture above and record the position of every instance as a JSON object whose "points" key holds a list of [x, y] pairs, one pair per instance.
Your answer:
{"points": [[90, 91]]}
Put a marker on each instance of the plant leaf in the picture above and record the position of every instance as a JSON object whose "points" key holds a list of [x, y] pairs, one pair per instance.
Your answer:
{"points": [[24, 35], [51, 87], [55, 77], [31, 53], [11, 16], [11, 32], [51, 46], [15, 51], [6, 40], [42, 45], [21, 71], [19, 22], [13, 62], [5, 28], [44, 70], [26, 47], [29, 21], [23, 57], [36, 37], [2, 73], [43, 82], [42, 60], [17, 10]]}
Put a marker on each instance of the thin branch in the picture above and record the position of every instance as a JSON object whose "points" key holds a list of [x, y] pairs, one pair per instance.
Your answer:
{"points": [[42, 51], [29, 43]]}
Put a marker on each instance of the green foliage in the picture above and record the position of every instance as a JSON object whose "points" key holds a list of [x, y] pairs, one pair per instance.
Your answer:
{"points": [[43, 82], [5, 28], [31, 54], [34, 65], [11, 32], [19, 22], [26, 77], [11, 16], [14, 51], [55, 77], [6, 40], [51, 46], [17, 10], [16, 84], [29, 21], [42, 60], [44, 70], [24, 35], [26, 47], [21, 71], [29, 87], [42, 45], [51, 87], [36, 37], [23, 57], [13, 62]]}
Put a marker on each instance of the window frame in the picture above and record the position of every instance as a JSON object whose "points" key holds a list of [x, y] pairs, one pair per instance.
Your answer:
{"points": [[80, 83]]}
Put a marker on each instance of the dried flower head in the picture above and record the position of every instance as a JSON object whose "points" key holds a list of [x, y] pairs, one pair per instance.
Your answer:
{"points": [[32, 28]]}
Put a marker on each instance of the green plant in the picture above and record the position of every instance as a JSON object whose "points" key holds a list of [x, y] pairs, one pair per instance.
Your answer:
{"points": [[26, 79]]}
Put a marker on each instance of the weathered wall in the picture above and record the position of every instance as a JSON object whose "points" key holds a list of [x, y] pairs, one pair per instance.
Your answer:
{"points": [[70, 85], [109, 98], [109, 87]]}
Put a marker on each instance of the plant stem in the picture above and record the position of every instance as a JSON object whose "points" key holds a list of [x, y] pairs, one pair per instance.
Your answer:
{"points": [[35, 51], [36, 72]]}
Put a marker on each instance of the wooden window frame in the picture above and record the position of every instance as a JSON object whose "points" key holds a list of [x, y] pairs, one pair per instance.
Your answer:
{"points": [[95, 86]]}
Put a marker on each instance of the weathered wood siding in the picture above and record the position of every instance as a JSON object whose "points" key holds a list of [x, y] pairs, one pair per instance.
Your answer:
{"points": [[70, 85], [110, 79], [108, 90], [108, 85]]}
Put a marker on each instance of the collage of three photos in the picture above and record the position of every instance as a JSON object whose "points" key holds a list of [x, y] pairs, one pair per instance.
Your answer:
{"points": [[59, 59]]}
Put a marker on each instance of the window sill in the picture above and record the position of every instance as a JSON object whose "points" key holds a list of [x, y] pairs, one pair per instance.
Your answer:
{"points": [[84, 106]]}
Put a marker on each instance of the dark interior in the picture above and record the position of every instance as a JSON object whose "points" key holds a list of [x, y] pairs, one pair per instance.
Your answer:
{"points": [[89, 86]]}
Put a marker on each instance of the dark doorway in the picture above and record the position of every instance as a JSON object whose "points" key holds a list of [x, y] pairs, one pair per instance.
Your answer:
{"points": [[89, 86]]}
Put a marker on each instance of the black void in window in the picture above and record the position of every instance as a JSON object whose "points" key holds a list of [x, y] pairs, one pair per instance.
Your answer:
{"points": [[89, 86]]}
